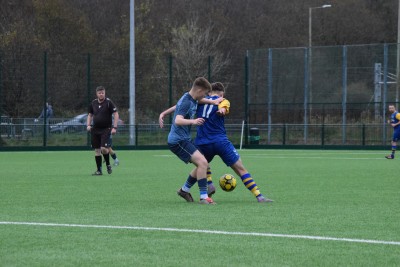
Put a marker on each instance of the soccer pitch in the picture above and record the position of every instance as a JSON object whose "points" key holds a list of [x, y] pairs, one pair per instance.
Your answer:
{"points": [[331, 208]]}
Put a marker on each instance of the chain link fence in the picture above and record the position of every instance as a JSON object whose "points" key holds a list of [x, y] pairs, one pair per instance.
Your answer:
{"points": [[316, 89], [295, 96]]}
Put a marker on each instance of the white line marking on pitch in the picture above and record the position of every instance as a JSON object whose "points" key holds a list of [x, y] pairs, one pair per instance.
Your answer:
{"points": [[324, 238], [309, 157]]}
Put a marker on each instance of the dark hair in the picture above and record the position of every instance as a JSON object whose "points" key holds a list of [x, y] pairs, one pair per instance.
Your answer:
{"points": [[217, 86], [203, 83], [100, 88]]}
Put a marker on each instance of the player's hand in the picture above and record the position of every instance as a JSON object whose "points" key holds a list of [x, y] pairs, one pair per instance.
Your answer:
{"points": [[221, 111], [198, 121], [161, 120], [218, 100], [113, 131], [88, 128]]}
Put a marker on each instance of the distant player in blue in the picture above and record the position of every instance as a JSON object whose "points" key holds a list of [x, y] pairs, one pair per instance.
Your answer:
{"points": [[112, 152], [180, 142], [212, 140], [395, 123]]}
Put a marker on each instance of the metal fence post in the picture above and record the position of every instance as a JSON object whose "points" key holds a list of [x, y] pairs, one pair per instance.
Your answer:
{"points": [[246, 98], [306, 93], [344, 94], [45, 128], [385, 73], [322, 134], [269, 94], [136, 134], [1, 84], [170, 84], [88, 85], [363, 134], [284, 134]]}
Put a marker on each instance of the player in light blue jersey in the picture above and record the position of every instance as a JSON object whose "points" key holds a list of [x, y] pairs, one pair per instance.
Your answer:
{"points": [[180, 142], [395, 123], [212, 141]]}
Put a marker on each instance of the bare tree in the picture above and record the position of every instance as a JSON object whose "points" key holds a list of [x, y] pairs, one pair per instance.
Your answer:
{"points": [[192, 45]]}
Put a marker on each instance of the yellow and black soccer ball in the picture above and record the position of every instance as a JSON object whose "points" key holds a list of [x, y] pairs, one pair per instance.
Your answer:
{"points": [[227, 182]]}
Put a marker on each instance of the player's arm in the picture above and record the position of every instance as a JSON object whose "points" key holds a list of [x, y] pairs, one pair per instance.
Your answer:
{"points": [[181, 121], [210, 101], [89, 121], [116, 119], [163, 114], [398, 123], [223, 107]]}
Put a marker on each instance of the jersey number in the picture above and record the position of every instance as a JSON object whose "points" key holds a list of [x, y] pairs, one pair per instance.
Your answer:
{"points": [[207, 110]]}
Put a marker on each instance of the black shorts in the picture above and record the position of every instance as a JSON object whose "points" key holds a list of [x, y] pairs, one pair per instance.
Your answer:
{"points": [[100, 137]]}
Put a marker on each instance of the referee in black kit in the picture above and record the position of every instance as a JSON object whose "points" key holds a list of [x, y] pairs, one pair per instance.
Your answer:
{"points": [[101, 111]]}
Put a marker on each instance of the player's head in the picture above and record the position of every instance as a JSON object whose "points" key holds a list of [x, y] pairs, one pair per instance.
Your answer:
{"points": [[392, 108], [100, 92], [218, 88], [201, 87]]}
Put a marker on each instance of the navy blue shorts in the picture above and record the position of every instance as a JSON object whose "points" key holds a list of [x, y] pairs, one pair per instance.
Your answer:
{"points": [[225, 150], [396, 136], [184, 150]]}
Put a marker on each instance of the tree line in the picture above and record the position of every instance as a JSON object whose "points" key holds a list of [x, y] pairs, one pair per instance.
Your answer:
{"points": [[87, 44]]}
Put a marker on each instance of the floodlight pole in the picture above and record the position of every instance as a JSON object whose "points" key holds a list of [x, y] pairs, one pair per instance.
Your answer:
{"points": [[310, 51], [310, 21]]}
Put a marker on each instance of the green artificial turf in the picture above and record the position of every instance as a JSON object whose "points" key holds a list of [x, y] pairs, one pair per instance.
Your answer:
{"points": [[334, 194]]}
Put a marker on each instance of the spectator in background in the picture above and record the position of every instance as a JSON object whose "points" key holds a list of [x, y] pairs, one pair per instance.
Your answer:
{"points": [[49, 112]]}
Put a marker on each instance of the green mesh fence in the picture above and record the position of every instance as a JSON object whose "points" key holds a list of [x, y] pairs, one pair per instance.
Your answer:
{"points": [[312, 88], [295, 96]]}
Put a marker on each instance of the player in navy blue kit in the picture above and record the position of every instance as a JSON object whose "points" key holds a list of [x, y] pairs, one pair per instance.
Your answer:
{"points": [[395, 123], [101, 111], [212, 140], [180, 141]]}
